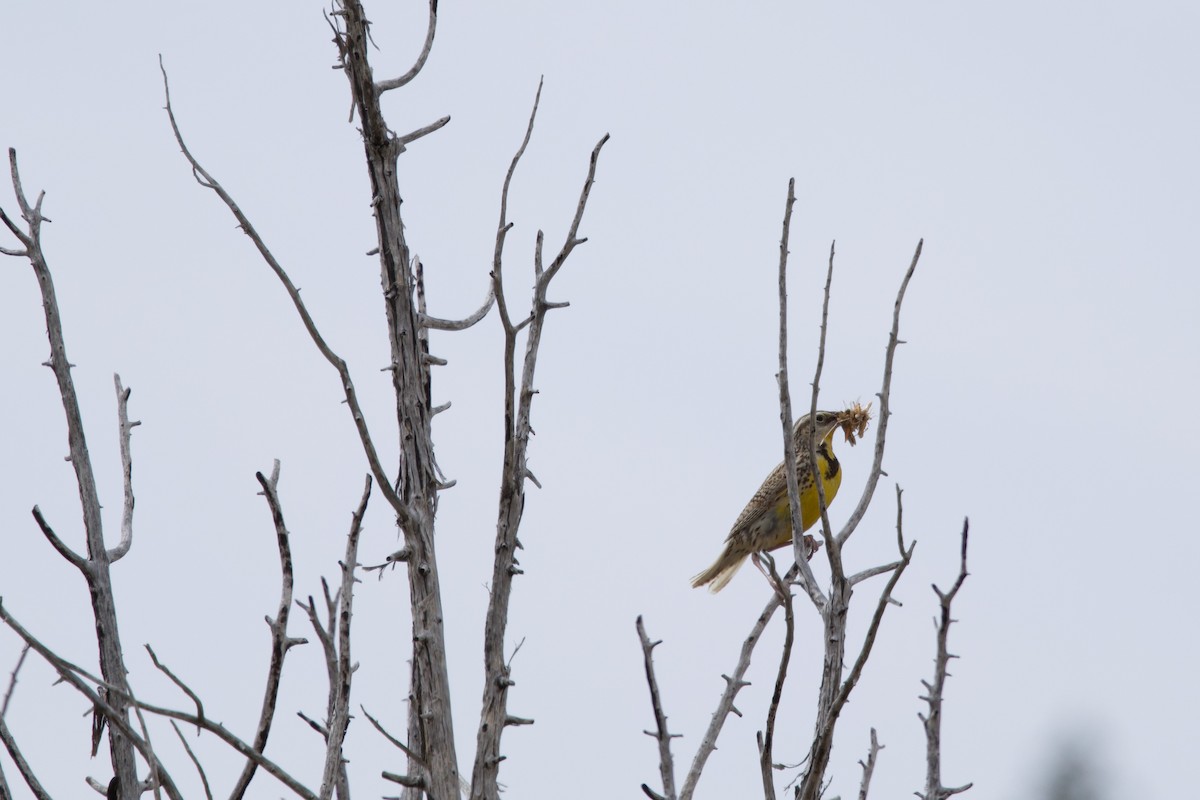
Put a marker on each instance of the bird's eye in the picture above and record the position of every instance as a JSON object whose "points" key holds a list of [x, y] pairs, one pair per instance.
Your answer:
{"points": [[820, 418]]}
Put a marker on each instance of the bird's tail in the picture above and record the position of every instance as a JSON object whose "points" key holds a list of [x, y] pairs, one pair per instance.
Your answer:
{"points": [[721, 572]]}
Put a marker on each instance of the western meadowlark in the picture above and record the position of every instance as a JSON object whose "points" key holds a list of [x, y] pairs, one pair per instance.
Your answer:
{"points": [[766, 522]]}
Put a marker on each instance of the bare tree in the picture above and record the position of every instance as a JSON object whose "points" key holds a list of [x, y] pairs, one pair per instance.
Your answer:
{"points": [[832, 605], [411, 489]]}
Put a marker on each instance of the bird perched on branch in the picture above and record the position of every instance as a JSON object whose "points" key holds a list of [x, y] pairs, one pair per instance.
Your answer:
{"points": [[766, 522]]}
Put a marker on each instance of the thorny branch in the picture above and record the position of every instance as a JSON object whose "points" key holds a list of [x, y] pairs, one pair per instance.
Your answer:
{"points": [[934, 790]]}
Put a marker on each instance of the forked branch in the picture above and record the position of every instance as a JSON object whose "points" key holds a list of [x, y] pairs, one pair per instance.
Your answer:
{"points": [[494, 715], [95, 568], [934, 790], [666, 765]]}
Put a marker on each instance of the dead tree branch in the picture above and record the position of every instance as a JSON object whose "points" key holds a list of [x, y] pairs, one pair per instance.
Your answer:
{"points": [[126, 428], [766, 739], [205, 179], [662, 735], [869, 766], [95, 568], [195, 761], [807, 580], [10, 742], [832, 549], [183, 687], [732, 686], [339, 680], [26, 771], [934, 790], [12, 681], [280, 643], [518, 401], [885, 412], [396, 83]]}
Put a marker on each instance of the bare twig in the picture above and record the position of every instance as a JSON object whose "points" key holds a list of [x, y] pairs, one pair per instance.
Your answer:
{"points": [[208, 181], [9, 740], [396, 83], [339, 687], [807, 580], [153, 780], [12, 681], [666, 765], [767, 738], [195, 761], [280, 643], [27, 773], [502, 232], [195, 698], [885, 394], [399, 744], [934, 790], [126, 427], [871, 572], [58, 544], [401, 141], [832, 549], [439, 324], [869, 766]]}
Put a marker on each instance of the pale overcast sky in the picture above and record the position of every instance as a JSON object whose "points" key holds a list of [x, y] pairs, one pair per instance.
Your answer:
{"points": [[1046, 152]]}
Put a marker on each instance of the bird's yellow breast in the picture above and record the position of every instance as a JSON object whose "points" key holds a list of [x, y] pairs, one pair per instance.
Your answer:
{"points": [[810, 503]]}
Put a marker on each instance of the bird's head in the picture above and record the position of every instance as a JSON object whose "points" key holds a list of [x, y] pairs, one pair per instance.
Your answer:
{"points": [[824, 423]]}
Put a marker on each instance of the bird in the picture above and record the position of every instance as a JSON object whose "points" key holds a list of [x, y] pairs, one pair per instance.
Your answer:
{"points": [[766, 522]]}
